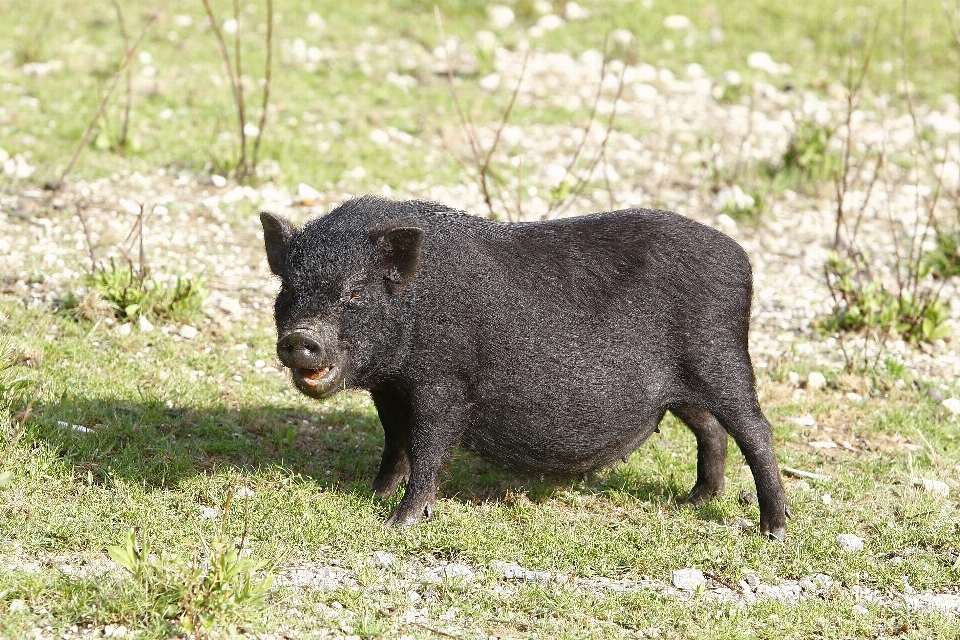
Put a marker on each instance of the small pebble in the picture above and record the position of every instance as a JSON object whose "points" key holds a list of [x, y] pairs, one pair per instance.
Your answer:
{"points": [[688, 579], [952, 405], [816, 381], [187, 332], [849, 542]]}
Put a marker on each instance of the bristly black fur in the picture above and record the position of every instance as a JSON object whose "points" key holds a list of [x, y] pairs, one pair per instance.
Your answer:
{"points": [[555, 347]]}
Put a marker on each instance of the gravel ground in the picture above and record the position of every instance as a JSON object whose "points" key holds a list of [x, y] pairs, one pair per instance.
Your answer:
{"points": [[202, 225], [390, 578]]}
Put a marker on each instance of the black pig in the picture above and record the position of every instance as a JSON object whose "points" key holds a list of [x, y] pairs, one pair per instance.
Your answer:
{"points": [[554, 347]]}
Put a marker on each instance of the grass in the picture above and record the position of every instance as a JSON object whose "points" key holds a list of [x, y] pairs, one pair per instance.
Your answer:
{"points": [[163, 445], [181, 98], [233, 477]]}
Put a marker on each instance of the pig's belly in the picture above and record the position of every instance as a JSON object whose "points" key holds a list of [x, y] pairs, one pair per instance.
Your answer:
{"points": [[557, 444]]}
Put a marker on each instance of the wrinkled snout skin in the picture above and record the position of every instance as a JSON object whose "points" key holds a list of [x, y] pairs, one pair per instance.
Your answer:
{"points": [[554, 347]]}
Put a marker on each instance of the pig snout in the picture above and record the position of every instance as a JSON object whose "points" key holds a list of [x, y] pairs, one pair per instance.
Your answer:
{"points": [[301, 350], [314, 367]]}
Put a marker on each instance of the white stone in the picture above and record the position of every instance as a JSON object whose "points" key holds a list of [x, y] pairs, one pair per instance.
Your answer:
{"points": [[124, 329], [500, 16], [573, 11], [849, 542], [645, 92], [726, 223], [513, 571], [306, 194], [144, 325], [486, 40], [688, 579], [18, 606], [452, 572], [383, 559], [555, 174], [733, 78], [380, 137], [209, 513], [762, 61], [231, 26], [936, 487], [805, 420], [622, 37], [550, 22], [695, 71], [187, 332], [816, 381], [315, 21], [677, 21], [952, 405], [735, 198], [823, 444], [490, 82]]}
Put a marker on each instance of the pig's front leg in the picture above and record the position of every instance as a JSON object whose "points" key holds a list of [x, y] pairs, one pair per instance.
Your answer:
{"points": [[439, 415], [393, 406]]}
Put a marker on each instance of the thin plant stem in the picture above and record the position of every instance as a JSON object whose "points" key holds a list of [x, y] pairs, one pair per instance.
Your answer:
{"points": [[103, 103], [122, 142], [268, 67]]}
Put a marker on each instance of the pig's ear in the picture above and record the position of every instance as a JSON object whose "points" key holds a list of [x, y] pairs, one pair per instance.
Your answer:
{"points": [[276, 235], [400, 249]]}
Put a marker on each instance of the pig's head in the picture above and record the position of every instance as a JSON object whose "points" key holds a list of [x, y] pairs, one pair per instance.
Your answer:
{"points": [[338, 313]]}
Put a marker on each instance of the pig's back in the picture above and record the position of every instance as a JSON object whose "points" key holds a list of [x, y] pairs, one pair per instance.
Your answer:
{"points": [[573, 334]]}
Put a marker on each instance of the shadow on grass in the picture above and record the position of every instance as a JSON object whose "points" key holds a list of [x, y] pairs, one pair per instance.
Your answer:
{"points": [[159, 446]]}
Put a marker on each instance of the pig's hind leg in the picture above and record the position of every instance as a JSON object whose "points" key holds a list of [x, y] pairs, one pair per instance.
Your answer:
{"points": [[711, 452], [752, 433], [394, 410]]}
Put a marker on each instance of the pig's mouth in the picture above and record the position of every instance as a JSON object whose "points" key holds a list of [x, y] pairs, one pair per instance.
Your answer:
{"points": [[318, 382]]}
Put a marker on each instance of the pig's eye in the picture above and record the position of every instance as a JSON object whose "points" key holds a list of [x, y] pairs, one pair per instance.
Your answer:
{"points": [[285, 290], [353, 297]]}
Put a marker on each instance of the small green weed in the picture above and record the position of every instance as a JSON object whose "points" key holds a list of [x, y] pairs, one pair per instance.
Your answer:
{"points": [[869, 305], [808, 155], [13, 386], [944, 259], [215, 593], [744, 206], [127, 294]]}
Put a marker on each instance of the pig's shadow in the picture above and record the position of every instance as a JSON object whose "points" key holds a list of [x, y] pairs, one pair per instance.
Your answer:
{"points": [[148, 442]]}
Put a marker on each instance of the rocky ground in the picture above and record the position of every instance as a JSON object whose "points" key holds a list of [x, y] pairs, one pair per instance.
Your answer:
{"points": [[687, 148]]}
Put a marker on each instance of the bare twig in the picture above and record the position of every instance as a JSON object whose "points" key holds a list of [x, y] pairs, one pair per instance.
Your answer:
{"points": [[797, 473], [485, 168], [232, 74], [268, 67], [584, 180], [590, 120], [103, 103], [465, 121], [87, 238], [124, 127]]}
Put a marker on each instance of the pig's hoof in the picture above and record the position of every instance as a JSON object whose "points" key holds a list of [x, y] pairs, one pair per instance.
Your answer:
{"points": [[386, 486], [399, 521], [776, 535], [700, 494], [407, 517]]}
